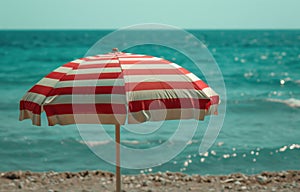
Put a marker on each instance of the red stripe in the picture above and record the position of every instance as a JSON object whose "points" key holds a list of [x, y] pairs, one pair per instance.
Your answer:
{"points": [[183, 70], [88, 90], [88, 66], [139, 86], [101, 58], [102, 65], [145, 62], [60, 109], [40, 89], [56, 75], [153, 72], [30, 106], [104, 57], [200, 84], [214, 99], [71, 65], [184, 103], [92, 76], [83, 59]]}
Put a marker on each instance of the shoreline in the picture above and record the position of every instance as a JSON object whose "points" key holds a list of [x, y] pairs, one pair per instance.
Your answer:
{"points": [[88, 181]]}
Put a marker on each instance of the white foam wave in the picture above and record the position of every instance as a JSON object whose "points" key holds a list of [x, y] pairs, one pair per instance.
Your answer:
{"points": [[132, 142], [94, 143], [292, 102]]}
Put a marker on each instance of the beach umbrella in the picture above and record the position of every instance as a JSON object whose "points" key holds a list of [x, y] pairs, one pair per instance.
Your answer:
{"points": [[118, 88]]}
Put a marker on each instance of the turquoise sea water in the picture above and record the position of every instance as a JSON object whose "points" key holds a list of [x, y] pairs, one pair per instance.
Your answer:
{"points": [[261, 130]]}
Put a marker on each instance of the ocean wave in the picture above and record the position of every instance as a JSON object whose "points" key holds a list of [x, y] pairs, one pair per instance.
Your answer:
{"points": [[133, 142], [96, 143], [292, 102]]}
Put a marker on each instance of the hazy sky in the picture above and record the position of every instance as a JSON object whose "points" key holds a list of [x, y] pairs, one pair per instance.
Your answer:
{"points": [[112, 14]]}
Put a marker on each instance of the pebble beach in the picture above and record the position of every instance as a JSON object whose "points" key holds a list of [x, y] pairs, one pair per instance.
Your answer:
{"points": [[90, 181]]}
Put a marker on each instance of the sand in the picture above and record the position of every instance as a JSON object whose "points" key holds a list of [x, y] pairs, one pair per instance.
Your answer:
{"points": [[87, 181]]}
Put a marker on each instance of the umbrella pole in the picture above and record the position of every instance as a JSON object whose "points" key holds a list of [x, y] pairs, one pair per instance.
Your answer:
{"points": [[118, 169]]}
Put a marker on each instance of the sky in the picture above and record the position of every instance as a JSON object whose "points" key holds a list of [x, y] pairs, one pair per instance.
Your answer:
{"points": [[114, 14]]}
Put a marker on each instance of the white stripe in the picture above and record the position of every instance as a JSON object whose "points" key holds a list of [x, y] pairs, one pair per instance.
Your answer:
{"points": [[26, 114], [108, 55], [77, 61], [139, 59], [86, 99], [192, 77], [95, 70], [130, 56], [182, 110], [100, 62], [175, 65], [212, 109], [63, 69], [146, 66], [92, 57], [87, 119], [95, 82], [34, 97], [134, 55], [165, 114], [165, 94], [209, 92], [48, 82], [156, 78]]}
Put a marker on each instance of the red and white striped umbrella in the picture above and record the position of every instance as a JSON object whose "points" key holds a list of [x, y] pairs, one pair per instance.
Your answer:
{"points": [[116, 88], [115, 85]]}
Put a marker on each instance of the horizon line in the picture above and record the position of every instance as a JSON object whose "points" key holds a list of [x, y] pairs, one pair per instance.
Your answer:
{"points": [[113, 29]]}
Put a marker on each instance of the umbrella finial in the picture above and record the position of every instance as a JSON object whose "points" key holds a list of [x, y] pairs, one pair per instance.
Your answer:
{"points": [[115, 50]]}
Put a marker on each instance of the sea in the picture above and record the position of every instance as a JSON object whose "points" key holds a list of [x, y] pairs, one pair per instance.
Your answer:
{"points": [[261, 128]]}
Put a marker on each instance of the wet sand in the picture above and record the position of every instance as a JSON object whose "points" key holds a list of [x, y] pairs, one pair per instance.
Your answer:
{"points": [[88, 181]]}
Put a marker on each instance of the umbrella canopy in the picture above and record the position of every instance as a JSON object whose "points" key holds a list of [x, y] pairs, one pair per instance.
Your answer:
{"points": [[118, 87]]}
